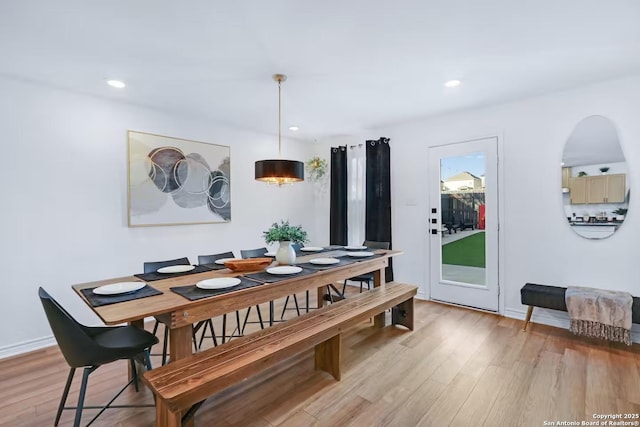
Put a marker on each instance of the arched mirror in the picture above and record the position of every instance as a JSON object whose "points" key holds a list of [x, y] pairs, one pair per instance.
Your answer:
{"points": [[595, 185]]}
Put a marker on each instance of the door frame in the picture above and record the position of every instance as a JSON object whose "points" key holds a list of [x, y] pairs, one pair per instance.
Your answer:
{"points": [[501, 223]]}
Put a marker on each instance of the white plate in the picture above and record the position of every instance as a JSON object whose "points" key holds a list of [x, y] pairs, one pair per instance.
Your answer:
{"points": [[355, 248], [119, 288], [285, 269], [176, 269], [311, 249], [269, 254], [218, 283], [221, 261], [324, 261], [360, 254]]}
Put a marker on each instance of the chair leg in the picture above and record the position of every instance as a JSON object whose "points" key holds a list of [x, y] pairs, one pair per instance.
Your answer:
{"points": [[165, 345], [344, 287], [361, 287], [330, 294], [134, 371], [286, 303], [295, 300], [83, 390], [260, 317], [224, 328], [155, 327], [65, 393], [246, 317], [237, 323], [213, 332], [147, 358]]}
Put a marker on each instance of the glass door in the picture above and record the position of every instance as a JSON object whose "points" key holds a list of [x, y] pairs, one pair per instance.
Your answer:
{"points": [[464, 223]]}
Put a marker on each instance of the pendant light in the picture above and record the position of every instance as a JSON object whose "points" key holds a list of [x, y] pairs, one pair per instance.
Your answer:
{"points": [[279, 171]]}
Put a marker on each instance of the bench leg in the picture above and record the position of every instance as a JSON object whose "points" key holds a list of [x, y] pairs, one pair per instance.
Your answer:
{"points": [[327, 356], [164, 416], [526, 321], [402, 314], [379, 321]]}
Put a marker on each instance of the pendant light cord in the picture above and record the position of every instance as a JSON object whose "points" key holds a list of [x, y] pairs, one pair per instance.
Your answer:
{"points": [[279, 121]]}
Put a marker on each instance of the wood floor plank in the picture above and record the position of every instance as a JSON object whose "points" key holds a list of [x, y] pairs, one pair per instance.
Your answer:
{"points": [[483, 396], [458, 367]]}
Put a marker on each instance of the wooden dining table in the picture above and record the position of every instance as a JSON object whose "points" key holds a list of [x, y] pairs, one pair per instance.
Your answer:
{"points": [[179, 313]]}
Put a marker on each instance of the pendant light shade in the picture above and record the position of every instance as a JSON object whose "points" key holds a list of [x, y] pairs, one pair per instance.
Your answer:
{"points": [[279, 171]]}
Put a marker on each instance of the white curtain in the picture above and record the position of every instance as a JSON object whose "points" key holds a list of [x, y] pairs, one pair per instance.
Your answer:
{"points": [[356, 175]]}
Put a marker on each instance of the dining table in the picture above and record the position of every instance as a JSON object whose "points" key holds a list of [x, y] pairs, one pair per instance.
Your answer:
{"points": [[179, 313]]}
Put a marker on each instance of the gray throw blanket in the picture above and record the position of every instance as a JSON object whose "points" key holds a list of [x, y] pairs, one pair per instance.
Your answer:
{"points": [[600, 313]]}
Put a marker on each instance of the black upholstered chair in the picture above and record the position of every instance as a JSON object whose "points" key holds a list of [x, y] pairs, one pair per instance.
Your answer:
{"points": [[210, 259], [253, 253], [150, 267], [91, 347], [368, 277], [296, 247]]}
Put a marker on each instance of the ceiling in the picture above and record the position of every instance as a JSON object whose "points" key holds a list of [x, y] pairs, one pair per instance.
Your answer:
{"points": [[352, 65]]}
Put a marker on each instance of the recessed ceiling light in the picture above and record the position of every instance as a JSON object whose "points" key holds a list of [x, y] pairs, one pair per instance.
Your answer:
{"points": [[453, 83], [116, 83], [294, 128]]}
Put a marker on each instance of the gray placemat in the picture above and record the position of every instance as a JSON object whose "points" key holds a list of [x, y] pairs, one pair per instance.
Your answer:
{"points": [[99, 300], [264, 277], [150, 277], [192, 292]]}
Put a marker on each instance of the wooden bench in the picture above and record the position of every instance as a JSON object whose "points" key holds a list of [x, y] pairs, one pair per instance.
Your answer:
{"points": [[545, 296], [182, 386]]}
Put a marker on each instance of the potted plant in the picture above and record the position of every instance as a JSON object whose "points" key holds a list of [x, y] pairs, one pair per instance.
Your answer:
{"points": [[316, 168], [285, 234]]}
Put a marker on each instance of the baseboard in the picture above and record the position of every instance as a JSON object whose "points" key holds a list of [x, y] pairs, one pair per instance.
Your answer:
{"points": [[559, 319], [36, 344], [26, 346]]}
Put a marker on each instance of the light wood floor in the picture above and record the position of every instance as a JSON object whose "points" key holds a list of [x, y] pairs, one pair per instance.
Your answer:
{"points": [[459, 367]]}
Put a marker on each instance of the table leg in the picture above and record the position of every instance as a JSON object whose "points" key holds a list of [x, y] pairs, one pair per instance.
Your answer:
{"points": [[138, 324], [380, 320], [180, 342], [321, 296]]}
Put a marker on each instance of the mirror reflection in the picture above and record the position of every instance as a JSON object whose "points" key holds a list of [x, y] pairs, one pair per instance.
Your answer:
{"points": [[595, 187]]}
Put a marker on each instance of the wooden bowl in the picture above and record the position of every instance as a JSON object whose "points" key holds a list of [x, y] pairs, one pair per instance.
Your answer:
{"points": [[248, 264]]}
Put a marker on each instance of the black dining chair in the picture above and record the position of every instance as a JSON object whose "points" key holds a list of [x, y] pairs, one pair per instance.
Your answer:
{"points": [[255, 253], [150, 267], [211, 259], [368, 277], [91, 347], [296, 247]]}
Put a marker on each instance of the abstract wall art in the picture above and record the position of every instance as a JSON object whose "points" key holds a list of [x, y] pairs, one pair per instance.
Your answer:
{"points": [[174, 181]]}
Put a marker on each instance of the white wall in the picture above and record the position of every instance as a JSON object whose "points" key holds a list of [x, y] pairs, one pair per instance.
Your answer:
{"points": [[63, 216], [539, 246]]}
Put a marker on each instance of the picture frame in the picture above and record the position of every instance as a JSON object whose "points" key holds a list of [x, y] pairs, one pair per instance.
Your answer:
{"points": [[175, 181]]}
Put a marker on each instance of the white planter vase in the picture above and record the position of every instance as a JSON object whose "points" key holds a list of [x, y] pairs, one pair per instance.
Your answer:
{"points": [[285, 254]]}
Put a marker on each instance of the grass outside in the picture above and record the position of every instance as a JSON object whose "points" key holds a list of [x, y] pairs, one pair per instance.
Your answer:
{"points": [[469, 251]]}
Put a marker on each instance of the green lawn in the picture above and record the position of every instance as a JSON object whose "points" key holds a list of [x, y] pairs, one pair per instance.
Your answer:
{"points": [[468, 251]]}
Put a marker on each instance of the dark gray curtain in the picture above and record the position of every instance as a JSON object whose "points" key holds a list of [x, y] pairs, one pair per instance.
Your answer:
{"points": [[338, 210], [378, 194]]}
